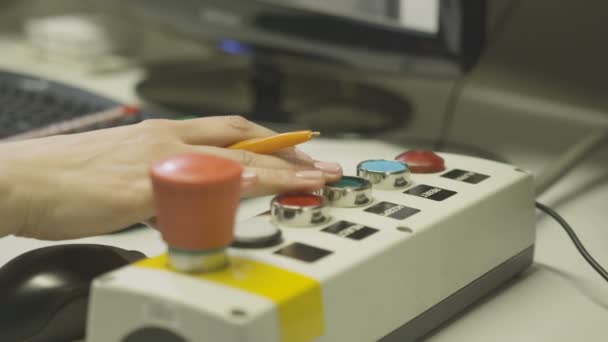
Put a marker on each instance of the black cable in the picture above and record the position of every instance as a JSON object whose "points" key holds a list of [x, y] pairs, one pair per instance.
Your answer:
{"points": [[456, 91], [577, 243], [448, 117]]}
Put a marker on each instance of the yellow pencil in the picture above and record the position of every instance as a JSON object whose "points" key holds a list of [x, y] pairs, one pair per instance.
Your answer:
{"points": [[274, 143]]}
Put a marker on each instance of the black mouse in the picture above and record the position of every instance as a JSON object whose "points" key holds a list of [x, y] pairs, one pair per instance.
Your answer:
{"points": [[44, 292]]}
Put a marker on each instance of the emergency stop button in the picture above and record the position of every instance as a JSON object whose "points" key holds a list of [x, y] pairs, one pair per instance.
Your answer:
{"points": [[421, 161], [196, 198]]}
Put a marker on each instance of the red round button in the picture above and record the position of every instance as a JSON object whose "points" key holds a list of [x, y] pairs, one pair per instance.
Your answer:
{"points": [[196, 197], [422, 161], [300, 200]]}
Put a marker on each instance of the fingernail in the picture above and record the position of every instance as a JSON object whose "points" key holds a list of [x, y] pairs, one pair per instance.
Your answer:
{"points": [[248, 176], [328, 167], [310, 174]]}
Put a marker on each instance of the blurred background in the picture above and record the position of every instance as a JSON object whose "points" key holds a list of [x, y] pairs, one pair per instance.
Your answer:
{"points": [[479, 77]]}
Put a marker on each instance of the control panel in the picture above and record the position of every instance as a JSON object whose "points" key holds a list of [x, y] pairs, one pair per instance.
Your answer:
{"points": [[389, 252]]}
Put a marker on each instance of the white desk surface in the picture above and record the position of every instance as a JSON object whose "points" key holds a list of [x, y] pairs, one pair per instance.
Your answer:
{"points": [[560, 298]]}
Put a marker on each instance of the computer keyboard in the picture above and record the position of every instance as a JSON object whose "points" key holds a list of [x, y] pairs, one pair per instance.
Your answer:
{"points": [[29, 102]]}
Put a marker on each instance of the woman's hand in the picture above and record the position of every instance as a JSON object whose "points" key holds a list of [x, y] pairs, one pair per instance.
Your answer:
{"points": [[78, 185]]}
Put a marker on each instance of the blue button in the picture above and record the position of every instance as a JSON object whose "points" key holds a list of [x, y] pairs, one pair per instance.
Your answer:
{"points": [[383, 166]]}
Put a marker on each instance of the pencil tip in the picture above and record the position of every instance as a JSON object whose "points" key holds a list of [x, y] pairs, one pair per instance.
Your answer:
{"points": [[315, 134]]}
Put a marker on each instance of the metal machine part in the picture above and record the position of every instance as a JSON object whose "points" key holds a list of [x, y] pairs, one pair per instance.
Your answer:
{"points": [[385, 174], [299, 210], [348, 192], [392, 270]]}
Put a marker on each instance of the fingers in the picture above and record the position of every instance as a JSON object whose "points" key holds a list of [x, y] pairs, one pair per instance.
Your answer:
{"points": [[245, 158], [222, 131], [249, 159], [261, 181], [219, 130], [295, 156]]}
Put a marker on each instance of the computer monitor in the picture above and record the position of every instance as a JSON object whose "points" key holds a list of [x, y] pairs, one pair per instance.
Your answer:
{"points": [[305, 60], [434, 36]]}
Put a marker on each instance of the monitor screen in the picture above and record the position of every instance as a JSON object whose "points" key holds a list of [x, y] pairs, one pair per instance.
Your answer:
{"points": [[424, 36], [415, 15]]}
